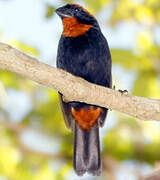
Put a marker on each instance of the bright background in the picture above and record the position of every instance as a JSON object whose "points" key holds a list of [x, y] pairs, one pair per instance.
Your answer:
{"points": [[34, 142]]}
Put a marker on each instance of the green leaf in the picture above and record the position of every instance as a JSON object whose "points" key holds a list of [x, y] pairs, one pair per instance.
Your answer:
{"points": [[125, 58], [147, 85], [95, 6], [25, 48], [49, 11]]}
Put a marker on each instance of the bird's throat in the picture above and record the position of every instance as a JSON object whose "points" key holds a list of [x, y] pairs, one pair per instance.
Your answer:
{"points": [[72, 28]]}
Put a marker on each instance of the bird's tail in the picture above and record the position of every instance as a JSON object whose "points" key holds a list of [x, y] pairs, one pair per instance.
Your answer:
{"points": [[87, 151]]}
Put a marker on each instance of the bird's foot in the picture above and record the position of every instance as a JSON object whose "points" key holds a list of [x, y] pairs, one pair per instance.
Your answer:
{"points": [[123, 91]]}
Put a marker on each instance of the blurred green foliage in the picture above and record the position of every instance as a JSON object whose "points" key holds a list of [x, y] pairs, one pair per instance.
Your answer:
{"points": [[128, 139], [49, 11]]}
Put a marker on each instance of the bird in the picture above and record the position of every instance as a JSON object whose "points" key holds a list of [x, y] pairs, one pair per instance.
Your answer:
{"points": [[84, 52]]}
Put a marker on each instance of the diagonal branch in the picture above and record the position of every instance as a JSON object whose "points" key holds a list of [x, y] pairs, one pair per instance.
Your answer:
{"points": [[75, 88]]}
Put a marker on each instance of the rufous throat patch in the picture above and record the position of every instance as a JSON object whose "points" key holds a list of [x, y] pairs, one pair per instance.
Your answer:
{"points": [[72, 28]]}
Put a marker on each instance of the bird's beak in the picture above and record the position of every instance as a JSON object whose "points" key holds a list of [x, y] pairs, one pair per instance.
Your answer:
{"points": [[62, 12]]}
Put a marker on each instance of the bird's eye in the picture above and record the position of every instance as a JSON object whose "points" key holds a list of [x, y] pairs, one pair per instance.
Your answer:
{"points": [[76, 9]]}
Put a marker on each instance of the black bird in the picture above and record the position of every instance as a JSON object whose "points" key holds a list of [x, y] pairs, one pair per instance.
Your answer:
{"points": [[84, 52]]}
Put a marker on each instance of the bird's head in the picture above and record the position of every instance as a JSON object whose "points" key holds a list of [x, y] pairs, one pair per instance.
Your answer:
{"points": [[75, 18], [78, 12]]}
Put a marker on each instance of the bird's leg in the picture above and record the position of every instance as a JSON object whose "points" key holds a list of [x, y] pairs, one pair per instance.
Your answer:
{"points": [[123, 91]]}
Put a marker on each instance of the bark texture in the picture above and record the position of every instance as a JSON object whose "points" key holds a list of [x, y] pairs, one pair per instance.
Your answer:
{"points": [[75, 88]]}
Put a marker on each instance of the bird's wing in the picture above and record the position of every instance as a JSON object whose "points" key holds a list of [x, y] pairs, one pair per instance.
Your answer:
{"points": [[102, 117], [66, 110]]}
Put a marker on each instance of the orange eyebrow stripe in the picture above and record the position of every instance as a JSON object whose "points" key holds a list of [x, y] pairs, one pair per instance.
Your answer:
{"points": [[85, 10], [86, 119], [72, 28]]}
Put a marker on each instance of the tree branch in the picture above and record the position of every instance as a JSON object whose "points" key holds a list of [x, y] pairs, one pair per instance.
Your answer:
{"points": [[75, 88]]}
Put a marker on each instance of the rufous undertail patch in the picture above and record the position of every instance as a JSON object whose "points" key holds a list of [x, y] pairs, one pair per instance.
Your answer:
{"points": [[86, 118]]}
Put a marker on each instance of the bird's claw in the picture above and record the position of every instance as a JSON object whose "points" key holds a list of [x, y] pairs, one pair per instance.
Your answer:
{"points": [[114, 87], [123, 91]]}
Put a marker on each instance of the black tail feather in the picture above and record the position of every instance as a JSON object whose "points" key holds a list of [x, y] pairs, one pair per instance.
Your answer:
{"points": [[79, 161], [87, 151], [94, 158]]}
